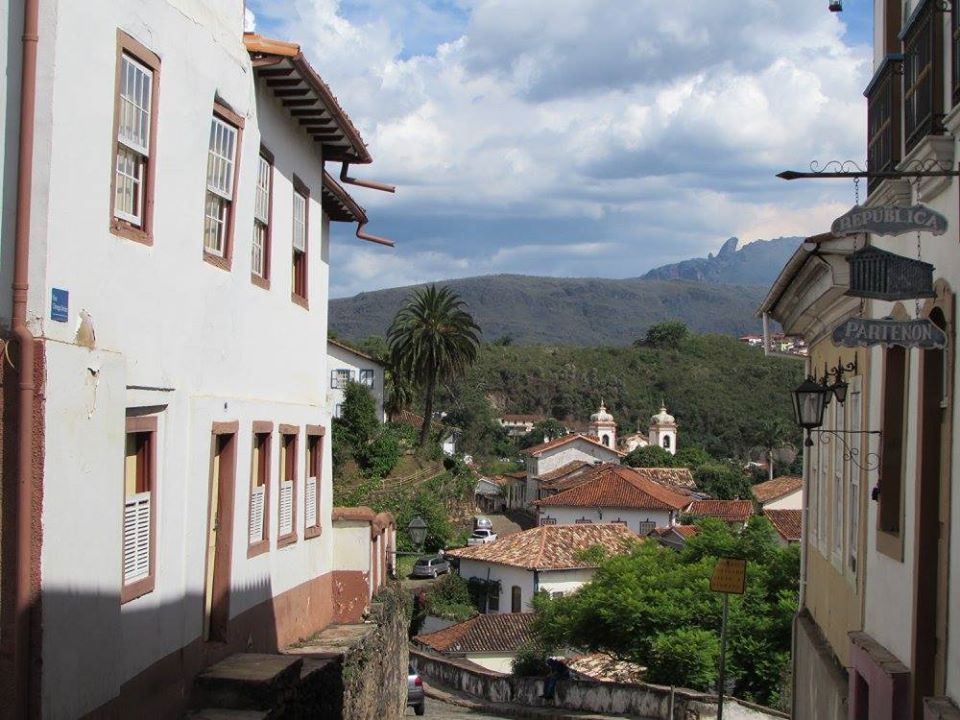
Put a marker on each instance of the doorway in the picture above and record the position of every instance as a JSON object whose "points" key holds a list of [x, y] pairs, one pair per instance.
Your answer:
{"points": [[216, 595]]}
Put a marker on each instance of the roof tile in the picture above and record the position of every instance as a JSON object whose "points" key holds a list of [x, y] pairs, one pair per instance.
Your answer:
{"points": [[788, 523], [538, 450], [727, 510], [503, 632], [778, 487], [619, 487]]}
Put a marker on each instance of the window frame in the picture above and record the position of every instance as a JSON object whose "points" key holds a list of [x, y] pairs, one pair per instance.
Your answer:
{"points": [[516, 599], [146, 425], [262, 461], [648, 523], [289, 470], [127, 45], [299, 276], [263, 280], [924, 26], [369, 372], [314, 462], [893, 419], [227, 116]]}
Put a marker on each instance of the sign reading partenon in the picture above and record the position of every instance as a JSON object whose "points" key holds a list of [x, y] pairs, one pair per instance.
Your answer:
{"points": [[889, 220], [862, 332]]}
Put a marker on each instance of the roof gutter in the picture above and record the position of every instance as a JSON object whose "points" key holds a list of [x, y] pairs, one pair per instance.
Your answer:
{"points": [[372, 185], [23, 486]]}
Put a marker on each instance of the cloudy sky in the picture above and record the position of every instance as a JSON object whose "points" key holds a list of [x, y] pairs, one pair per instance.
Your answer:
{"points": [[582, 137]]}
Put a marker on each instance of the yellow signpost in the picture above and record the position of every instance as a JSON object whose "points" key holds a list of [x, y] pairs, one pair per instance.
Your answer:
{"points": [[730, 578]]}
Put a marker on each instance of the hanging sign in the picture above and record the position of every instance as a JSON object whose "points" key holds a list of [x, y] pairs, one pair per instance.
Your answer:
{"points": [[863, 332], [889, 220], [876, 273]]}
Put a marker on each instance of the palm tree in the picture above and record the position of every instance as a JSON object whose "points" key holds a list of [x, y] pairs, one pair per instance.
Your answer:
{"points": [[432, 339]]}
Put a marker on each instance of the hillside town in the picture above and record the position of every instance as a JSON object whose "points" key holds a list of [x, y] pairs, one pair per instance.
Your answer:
{"points": [[229, 492]]}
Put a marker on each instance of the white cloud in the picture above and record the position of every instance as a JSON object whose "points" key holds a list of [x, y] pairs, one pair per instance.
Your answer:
{"points": [[581, 123]]}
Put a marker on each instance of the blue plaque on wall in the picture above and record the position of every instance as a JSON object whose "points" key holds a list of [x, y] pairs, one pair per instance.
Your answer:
{"points": [[59, 305]]}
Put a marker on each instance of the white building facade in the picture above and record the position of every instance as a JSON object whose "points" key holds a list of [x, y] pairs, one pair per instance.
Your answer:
{"points": [[554, 454], [346, 364], [178, 245]]}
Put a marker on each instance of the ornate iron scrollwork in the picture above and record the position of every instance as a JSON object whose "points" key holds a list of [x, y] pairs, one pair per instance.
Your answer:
{"points": [[871, 460]]}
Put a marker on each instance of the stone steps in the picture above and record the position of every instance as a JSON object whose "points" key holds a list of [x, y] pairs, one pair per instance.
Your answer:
{"points": [[248, 681]]}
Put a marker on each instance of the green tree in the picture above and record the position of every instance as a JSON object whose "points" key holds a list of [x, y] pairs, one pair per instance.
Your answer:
{"points": [[358, 414], [432, 338], [686, 657], [549, 428], [723, 480], [649, 456], [771, 435], [691, 457], [667, 334]]}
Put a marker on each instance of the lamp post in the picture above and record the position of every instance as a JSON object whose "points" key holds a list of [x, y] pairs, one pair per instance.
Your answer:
{"points": [[418, 532], [809, 402]]}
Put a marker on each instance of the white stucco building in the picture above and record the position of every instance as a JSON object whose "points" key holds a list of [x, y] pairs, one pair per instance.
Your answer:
{"points": [[782, 493], [546, 558], [614, 494], [346, 364], [171, 492], [554, 454]]}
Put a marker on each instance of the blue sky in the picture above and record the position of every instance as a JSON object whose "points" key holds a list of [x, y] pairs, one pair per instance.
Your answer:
{"points": [[582, 137]]}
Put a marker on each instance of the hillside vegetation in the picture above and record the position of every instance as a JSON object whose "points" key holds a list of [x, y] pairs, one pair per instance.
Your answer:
{"points": [[720, 390]]}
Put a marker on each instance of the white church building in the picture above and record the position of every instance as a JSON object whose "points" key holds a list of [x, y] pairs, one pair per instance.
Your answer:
{"points": [[662, 432]]}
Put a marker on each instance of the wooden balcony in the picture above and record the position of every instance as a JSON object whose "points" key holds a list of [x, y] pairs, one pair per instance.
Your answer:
{"points": [[883, 118]]}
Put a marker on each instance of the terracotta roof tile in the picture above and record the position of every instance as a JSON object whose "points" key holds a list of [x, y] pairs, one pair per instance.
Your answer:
{"points": [[538, 450], [786, 522], [602, 667], [551, 547], [677, 479], [617, 486], [778, 487], [727, 510], [503, 632], [563, 471]]}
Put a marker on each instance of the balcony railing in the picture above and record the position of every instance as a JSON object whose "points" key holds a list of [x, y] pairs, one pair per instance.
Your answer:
{"points": [[883, 118], [922, 74]]}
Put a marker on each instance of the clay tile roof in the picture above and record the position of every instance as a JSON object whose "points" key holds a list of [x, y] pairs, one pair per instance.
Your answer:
{"points": [[685, 530], [602, 667], [551, 547], [727, 510], [286, 72], [538, 450], [677, 479], [786, 522], [518, 475], [361, 513], [502, 632], [563, 471], [778, 487], [616, 486], [348, 348]]}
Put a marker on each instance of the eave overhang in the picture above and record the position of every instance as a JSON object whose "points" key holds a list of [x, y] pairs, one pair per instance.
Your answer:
{"points": [[286, 72]]}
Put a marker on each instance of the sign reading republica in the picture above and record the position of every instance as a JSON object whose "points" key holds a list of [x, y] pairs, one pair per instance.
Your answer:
{"points": [[862, 332], [729, 576], [889, 220]]}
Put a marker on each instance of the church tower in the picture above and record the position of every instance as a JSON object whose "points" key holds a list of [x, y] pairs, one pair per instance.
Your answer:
{"points": [[603, 426], [663, 430]]}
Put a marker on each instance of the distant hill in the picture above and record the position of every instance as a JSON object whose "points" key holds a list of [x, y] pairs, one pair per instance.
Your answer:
{"points": [[755, 264], [569, 311]]}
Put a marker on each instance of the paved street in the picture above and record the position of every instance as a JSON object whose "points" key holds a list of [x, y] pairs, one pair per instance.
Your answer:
{"points": [[445, 711]]}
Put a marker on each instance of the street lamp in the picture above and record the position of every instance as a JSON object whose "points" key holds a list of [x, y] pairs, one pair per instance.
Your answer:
{"points": [[809, 402], [418, 531]]}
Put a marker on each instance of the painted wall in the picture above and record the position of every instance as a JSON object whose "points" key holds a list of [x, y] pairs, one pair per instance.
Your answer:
{"points": [[633, 518], [351, 545], [340, 359], [508, 577], [553, 459], [175, 336], [793, 501], [497, 662], [565, 581]]}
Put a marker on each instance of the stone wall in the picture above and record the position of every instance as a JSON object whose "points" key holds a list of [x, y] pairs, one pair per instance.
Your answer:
{"points": [[820, 681], [648, 701], [374, 672]]}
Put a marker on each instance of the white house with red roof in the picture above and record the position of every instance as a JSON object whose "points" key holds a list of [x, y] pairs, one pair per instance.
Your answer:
{"points": [[548, 558], [347, 364], [782, 493], [559, 452], [614, 494]]}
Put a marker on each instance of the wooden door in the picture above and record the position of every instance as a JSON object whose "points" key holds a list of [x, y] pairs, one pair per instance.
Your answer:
{"points": [[216, 596]]}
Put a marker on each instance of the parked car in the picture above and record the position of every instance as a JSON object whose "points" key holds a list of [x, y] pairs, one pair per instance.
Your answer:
{"points": [[482, 537], [430, 566], [482, 523], [415, 696]]}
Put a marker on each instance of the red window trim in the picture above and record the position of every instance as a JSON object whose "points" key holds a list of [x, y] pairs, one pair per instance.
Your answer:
{"points": [[301, 300], [226, 262], [144, 424], [264, 282], [315, 434], [261, 427], [288, 455], [118, 226]]}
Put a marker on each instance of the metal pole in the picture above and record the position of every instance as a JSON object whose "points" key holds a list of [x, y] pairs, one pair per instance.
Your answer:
{"points": [[672, 695], [723, 657]]}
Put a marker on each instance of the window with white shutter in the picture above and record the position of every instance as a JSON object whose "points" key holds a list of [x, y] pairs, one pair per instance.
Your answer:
{"points": [[258, 526], [286, 507], [301, 226], [139, 499], [218, 205], [311, 492], [134, 113]]}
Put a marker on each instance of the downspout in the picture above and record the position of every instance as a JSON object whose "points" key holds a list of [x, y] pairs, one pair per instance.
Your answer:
{"points": [[23, 593], [372, 185]]}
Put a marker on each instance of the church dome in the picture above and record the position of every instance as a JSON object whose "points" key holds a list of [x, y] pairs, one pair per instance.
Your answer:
{"points": [[663, 417], [601, 415]]}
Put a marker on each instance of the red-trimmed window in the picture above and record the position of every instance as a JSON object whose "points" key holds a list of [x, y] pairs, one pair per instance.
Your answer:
{"points": [[259, 520], [313, 483], [301, 228], [139, 507], [222, 153], [135, 130], [287, 505], [262, 209]]}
